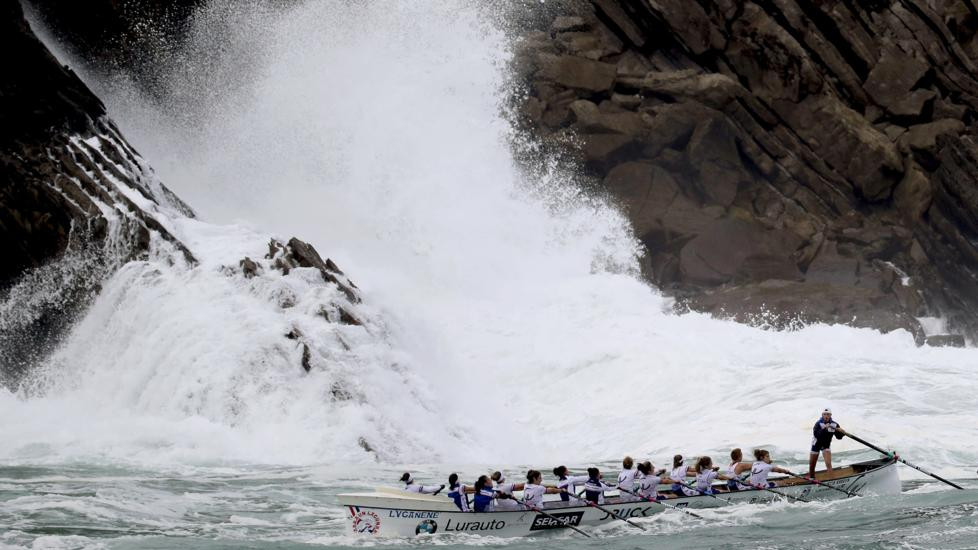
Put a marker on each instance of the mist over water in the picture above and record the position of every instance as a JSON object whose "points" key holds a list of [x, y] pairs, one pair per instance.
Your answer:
{"points": [[512, 304]]}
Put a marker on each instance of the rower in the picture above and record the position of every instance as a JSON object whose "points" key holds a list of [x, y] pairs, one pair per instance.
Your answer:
{"points": [[761, 468], [412, 487], [484, 495], [456, 492], [678, 474], [705, 474], [504, 492], [825, 429], [594, 488], [626, 479], [649, 481], [567, 482], [737, 469], [534, 489]]}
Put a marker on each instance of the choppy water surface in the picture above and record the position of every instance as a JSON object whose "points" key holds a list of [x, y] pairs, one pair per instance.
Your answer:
{"points": [[84, 506]]}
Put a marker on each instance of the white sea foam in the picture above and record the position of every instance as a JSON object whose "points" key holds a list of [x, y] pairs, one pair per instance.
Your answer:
{"points": [[376, 132]]}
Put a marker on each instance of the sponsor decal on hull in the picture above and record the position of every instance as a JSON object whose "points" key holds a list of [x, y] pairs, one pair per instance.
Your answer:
{"points": [[365, 522], [489, 525], [426, 527], [556, 520], [413, 514]]}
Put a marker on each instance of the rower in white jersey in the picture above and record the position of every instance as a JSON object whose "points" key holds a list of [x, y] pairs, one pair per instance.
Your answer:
{"points": [[412, 487], [706, 474], [534, 489], [567, 482], [761, 468], [649, 481], [678, 474], [737, 471], [505, 500], [626, 479]]}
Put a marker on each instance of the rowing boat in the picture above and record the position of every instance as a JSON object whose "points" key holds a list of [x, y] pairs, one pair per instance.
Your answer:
{"points": [[397, 513]]}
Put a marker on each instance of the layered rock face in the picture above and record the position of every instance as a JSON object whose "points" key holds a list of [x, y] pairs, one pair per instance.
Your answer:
{"points": [[781, 160], [77, 202]]}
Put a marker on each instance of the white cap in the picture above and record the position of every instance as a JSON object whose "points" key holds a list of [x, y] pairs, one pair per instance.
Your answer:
{"points": [[827, 410]]}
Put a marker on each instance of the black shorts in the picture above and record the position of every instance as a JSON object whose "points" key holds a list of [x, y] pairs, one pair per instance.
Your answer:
{"points": [[818, 446]]}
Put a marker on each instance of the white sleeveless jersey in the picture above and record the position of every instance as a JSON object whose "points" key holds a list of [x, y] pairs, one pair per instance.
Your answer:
{"points": [[506, 488], [533, 494], [704, 480], [571, 482], [759, 472], [648, 486], [626, 479], [679, 473]]}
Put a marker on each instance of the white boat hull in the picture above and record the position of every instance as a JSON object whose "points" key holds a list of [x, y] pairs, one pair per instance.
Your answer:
{"points": [[394, 513]]}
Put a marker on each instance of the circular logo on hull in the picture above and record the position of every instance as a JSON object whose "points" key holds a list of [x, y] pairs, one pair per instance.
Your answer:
{"points": [[366, 522], [426, 527]]}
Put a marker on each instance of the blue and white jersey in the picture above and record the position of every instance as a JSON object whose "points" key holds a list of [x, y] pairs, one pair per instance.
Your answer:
{"points": [[483, 501], [594, 490], [457, 493], [822, 433], [569, 484]]}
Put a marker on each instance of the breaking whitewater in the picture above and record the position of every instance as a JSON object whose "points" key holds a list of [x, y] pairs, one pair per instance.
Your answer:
{"points": [[501, 322]]}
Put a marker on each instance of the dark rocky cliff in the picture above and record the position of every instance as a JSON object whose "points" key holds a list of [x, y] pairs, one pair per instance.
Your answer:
{"points": [[780, 160]]}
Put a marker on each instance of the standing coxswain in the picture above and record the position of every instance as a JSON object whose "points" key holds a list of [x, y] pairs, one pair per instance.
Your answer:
{"points": [[534, 489], [412, 487], [567, 482], [825, 429]]}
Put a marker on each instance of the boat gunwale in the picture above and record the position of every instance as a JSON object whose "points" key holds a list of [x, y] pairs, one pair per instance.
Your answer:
{"points": [[872, 466]]}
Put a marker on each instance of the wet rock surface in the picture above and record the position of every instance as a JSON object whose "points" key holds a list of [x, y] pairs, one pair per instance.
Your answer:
{"points": [[780, 160]]}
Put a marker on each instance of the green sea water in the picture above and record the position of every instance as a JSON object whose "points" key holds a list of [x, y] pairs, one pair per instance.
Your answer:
{"points": [[97, 506]]}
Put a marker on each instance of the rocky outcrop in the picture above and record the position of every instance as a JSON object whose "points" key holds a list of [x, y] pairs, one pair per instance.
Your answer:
{"points": [[780, 160], [76, 200]]}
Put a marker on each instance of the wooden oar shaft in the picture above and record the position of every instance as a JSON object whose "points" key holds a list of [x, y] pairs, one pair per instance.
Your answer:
{"points": [[817, 482], [558, 520], [674, 507], [605, 510], [894, 456]]}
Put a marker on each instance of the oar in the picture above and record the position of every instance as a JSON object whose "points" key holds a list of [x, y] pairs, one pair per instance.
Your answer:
{"points": [[674, 507], [817, 482], [693, 487], [558, 520], [770, 490], [605, 510], [895, 457]]}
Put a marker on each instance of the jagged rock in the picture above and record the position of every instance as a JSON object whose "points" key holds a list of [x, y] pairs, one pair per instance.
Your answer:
{"points": [[733, 249], [914, 193], [569, 23], [713, 152], [306, 256], [945, 340], [248, 267], [591, 120], [306, 357], [847, 142], [890, 82], [922, 138], [348, 318], [576, 72]]}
